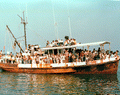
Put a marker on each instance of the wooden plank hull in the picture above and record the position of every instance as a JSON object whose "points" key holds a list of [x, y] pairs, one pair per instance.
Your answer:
{"points": [[104, 68], [107, 68], [41, 70]]}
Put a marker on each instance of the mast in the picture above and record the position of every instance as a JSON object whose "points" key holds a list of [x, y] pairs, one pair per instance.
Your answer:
{"points": [[14, 38], [24, 22]]}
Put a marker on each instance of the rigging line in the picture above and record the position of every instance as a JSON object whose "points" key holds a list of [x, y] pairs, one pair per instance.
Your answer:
{"points": [[55, 23], [19, 9], [7, 34], [38, 35], [69, 20], [12, 43], [5, 40], [20, 37], [26, 13], [57, 32], [9, 43]]}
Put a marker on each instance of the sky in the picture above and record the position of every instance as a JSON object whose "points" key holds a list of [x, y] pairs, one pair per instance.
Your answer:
{"points": [[90, 21]]}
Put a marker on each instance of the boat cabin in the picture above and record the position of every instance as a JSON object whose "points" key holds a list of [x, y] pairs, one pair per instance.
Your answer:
{"points": [[61, 49]]}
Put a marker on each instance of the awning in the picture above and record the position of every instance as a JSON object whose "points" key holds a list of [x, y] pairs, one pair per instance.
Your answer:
{"points": [[77, 45]]}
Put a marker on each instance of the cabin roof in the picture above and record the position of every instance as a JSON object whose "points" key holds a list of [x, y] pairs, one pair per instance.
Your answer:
{"points": [[77, 45]]}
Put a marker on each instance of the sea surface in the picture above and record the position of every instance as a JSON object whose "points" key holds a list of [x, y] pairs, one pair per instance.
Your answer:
{"points": [[58, 84]]}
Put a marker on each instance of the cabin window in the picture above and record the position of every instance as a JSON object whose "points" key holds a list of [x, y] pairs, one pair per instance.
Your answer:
{"points": [[55, 52], [50, 51]]}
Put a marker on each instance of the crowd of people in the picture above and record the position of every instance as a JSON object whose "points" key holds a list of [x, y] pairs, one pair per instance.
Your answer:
{"points": [[34, 55], [75, 55], [67, 42]]}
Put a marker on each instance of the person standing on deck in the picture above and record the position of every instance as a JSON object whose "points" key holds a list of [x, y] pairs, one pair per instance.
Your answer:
{"points": [[74, 50], [37, 59], [90, 55], [82, 55], [33, 59], [32, 50], [66, 56], [1, 52], [66, 43]]}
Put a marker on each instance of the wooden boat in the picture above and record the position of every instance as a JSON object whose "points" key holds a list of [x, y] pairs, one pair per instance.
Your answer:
{"points": [[106, 66], [109, 67]]}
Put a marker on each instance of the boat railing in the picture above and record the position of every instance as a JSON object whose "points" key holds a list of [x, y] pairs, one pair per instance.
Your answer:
{"points": [[70, 64], [62, 63]]}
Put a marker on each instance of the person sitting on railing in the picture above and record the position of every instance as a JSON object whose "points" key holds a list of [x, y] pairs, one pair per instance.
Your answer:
{"points": [[116, 54], [60, 42], [112, 54], [53, 43], [73, 41], [47, 44]]}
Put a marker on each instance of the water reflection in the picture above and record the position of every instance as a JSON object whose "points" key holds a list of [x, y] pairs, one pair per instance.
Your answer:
{"points": [[11, 83]]}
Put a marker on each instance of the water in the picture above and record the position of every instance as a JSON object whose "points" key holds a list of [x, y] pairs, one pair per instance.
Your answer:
{"points": [[57, 84]]}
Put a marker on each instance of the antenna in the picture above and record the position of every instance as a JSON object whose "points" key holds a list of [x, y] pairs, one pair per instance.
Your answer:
{"points": [[55, 23], [24, 22], [69, 20]]}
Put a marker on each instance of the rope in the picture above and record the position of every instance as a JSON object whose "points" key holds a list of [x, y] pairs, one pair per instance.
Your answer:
{"points": [[38, 35]]}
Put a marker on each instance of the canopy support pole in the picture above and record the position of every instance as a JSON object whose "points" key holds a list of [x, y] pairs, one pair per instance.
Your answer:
{"points": [[88, 47], [109, 48]]}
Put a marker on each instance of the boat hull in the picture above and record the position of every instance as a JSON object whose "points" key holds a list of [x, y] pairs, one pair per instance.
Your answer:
{"points": [[102, 68], [106, 68]]}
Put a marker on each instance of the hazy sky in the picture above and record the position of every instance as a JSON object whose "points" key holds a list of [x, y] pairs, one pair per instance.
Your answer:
{"points": [[91, 21]]}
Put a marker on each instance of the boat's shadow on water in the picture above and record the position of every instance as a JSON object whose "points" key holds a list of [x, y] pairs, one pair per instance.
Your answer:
{"points": [[100, 84], [107, 77]]}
